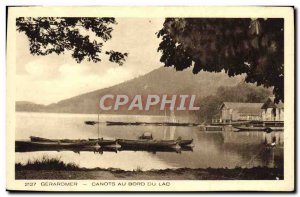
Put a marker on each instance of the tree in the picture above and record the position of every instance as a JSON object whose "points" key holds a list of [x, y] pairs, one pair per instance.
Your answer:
{"points": [[49, 35], [251, 46], [242, 92]]}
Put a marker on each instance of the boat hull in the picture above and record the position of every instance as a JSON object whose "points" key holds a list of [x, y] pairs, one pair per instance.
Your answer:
{"points": [[52, 145], [147, 143], [185, 142], [104, 142], [251, 128], [276, 128], [100, 141], [211, 128], [26, 146], [112, 123], [259, 129]]}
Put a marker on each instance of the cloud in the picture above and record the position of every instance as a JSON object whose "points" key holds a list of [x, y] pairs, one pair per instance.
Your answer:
{"points": [[71, 81], [40, 69], [73, 70]]}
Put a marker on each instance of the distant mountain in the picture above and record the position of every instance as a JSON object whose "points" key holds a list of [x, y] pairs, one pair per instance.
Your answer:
{"points": [[29, 106], [159, 81]]}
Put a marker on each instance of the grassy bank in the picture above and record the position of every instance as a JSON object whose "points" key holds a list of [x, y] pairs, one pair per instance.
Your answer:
{"points": [[55, 169], [46, 163]]}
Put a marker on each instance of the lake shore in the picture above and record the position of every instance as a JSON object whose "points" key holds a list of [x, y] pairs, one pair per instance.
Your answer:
{"points": [[256, 173]]}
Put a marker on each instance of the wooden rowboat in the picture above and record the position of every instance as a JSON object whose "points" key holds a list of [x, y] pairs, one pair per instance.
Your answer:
{"points": [[267, 129], [104, 142], [39, 139], [100, 141], [115, 123], [185, 142], [251, 128], [91, 122], [55, 144], [148, 136], [147, 143], [27, 146]]}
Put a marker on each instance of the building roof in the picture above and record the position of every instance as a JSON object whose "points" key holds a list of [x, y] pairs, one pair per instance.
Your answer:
{"points": [[271, 104], [253, 108]]}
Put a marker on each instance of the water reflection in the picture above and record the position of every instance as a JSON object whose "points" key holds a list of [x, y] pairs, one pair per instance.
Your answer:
{"points": [[100, 150], [211, 149]]}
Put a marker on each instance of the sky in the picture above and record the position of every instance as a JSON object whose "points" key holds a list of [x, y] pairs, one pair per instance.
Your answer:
{"points": [[49, 79]]}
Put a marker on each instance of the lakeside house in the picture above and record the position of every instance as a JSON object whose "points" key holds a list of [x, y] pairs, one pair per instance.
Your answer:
{"points": [[237, 111], [272, 111]]}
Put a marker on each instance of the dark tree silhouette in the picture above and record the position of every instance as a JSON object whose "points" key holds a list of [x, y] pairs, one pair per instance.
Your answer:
{"points": [[56, 35], [251, 46]]}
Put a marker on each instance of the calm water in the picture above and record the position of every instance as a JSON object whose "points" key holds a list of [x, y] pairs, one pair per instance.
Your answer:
{"points": [[214, 149]]}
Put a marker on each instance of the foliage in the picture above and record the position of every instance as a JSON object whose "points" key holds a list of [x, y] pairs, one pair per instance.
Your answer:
{"points": [[242, 92], [49, 35], [251, 46]]}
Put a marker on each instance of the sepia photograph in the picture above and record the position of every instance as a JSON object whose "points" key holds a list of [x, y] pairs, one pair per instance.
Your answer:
{"points": [[125, 98]]}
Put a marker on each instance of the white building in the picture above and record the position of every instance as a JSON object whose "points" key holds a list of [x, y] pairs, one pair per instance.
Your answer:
{"points": [[272, 111], [233, 111]]}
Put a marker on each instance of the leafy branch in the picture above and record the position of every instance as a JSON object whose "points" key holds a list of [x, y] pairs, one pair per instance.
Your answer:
{"points": [[49, 35]]}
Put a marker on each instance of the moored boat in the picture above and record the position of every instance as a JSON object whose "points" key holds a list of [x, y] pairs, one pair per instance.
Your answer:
{"points": [[91, 122], [185, 142], [267, 129], [104, 142], [27, 146], [147, 143], [275, 128], [56, 144], [251, 128], [211, 128], [40, 139], [115, 123], [180, 141], [72, 142]]}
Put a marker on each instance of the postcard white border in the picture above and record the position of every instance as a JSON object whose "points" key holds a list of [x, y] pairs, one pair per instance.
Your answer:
{"points": [[151, 12]]}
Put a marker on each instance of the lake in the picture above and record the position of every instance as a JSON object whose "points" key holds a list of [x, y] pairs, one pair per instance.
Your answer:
{"points": [[211, 149]]}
